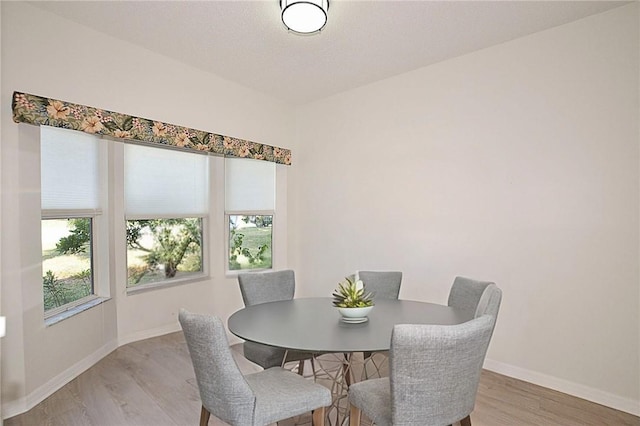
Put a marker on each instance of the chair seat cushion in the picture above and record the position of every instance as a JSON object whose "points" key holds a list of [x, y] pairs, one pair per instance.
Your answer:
{"points": [[373, 398], [285, 392], [268, 356], [263, 355]]}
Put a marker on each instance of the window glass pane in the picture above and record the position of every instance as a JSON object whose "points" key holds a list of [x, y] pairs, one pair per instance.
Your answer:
{"points": [[66, 261], [69, 169], [163, 249], [165, 182], [249, 184], [250, 242]]}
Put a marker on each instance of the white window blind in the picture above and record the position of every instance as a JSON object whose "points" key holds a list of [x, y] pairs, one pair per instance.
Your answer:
{"points": [[165, 183], [250, 184], [69, 169]]}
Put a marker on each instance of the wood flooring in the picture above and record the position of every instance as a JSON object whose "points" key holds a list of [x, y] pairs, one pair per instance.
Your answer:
{"points": [[151, 382]]}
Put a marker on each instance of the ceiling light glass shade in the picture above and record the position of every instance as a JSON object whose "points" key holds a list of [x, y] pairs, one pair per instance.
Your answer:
{"points": [[304, 16]]}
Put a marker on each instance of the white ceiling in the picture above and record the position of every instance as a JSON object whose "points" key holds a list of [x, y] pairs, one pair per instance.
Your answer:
{"points": [[363, 41]]}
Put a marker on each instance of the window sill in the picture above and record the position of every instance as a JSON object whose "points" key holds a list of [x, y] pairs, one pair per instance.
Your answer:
{"points": [[233, 273], [160, 285], [54, 319]]}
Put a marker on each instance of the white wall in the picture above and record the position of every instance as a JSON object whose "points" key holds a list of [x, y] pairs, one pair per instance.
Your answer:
{"points": [[518, 164], [49, 56]]}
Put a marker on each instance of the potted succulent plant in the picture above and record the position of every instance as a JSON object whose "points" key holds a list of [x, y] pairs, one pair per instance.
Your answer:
{"points": [[352, 300]]}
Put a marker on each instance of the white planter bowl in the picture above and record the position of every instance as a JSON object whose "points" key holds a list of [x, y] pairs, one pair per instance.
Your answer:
{"points": [[355, 312]]}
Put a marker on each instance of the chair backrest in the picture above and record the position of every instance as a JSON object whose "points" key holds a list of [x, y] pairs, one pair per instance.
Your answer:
{"points": [[489, 303], [223, 389], [383, 284], [435, 371], [263, 287], [465, 293]]}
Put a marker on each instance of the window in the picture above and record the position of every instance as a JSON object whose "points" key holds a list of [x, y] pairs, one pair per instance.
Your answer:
{"points": [[71, 206], [66, 261], [250, 205], [163, 249], [250, 241], [166, 206]]}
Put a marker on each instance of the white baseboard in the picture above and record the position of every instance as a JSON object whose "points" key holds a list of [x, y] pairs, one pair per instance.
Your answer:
{"points": [[575, 389], [27, 402]]}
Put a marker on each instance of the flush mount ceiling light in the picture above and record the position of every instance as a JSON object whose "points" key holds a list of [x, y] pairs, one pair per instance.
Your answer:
{"points": [[304, 16]]}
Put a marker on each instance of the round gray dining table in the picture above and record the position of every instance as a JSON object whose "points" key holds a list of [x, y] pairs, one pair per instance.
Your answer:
{"points": [[314, 325]]}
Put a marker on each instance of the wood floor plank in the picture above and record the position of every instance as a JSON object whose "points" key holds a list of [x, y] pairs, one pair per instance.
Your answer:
{"points": [[151, 382], [503, 400], [102, 409], [137, 407], [76, 416], [170, 390], [60, 402]]}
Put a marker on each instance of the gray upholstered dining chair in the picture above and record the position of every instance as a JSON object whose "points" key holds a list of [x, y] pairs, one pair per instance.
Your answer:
{"points": [[255, 399], [489, 303], [383, 285], [263, 287], [465, 293], [434, 376]]}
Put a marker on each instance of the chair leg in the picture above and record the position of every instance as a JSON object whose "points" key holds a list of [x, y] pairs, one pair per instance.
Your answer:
{"points": [[346, 369], [301, 367], [204, 416], [313, 368], [367, 356], [466, 421], [354, 416], [318, 417]]}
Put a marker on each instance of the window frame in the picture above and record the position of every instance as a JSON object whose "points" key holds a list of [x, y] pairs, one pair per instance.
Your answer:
{"points": [[100, 245], [195, 277], [94, 215], [206, 219], [227, 234]]}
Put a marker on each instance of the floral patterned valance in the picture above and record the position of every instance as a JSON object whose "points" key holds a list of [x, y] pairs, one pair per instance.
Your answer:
{"points": [[38, 110]]}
